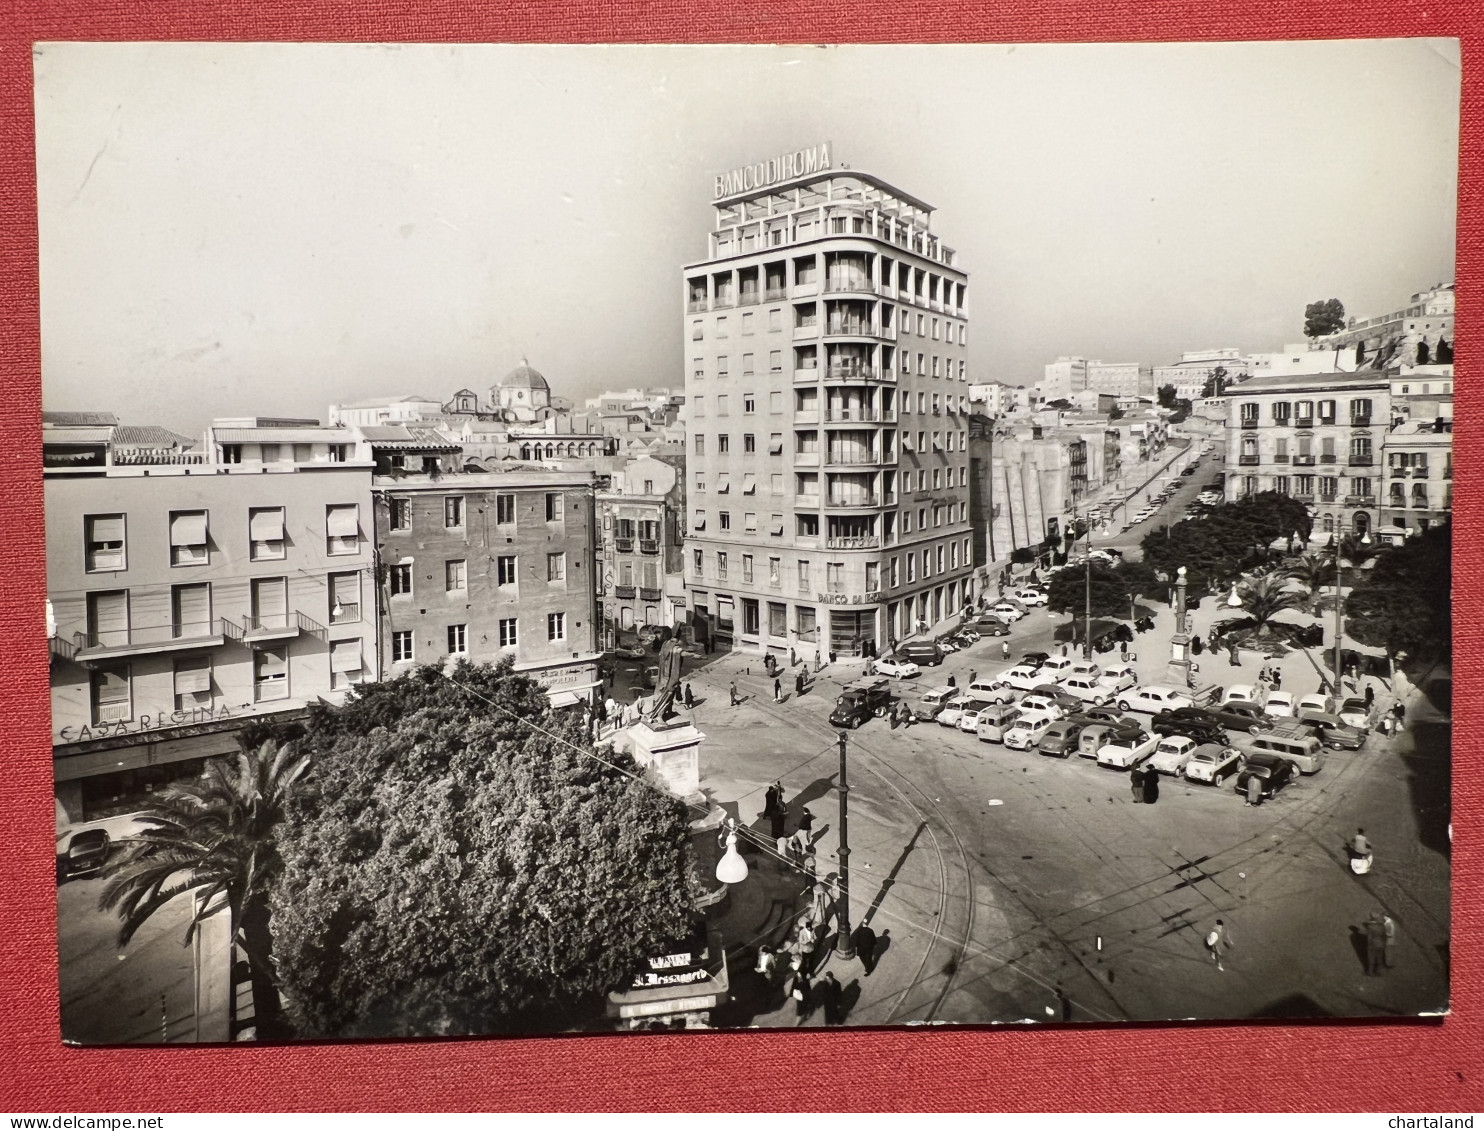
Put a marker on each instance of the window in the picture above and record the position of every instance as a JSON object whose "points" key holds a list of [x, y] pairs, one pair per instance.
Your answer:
{"points": [[749, 522], [338, 453], [700, 444], [775, 361], [266, 533], [553, 506], [507, 632], [187, 538], [104, 535], [110, 695], [749, 404], [1304, 411], [505, 569], [458, 640], [342, 530], [345, 663], [270, 603], [271, 674], [724, 520], [399, 576], [722, 366], [873, 577], [556, 567], [698, 368], [698, 562], [775, 482], [505, 510], [1280, 412], [906, 522], [721, 565], [808, 525], [723, 443], [556, 626], [721, 326], [345, 598], [1360, 411], [455, 575], [834, 577], [190, 611], [696, 332], [911, 568], [749, 442], [453, 512], [747, 568], [192, 683], [1327, 412], [402, 647], [1249, 414], [721, 405], [748, 365], [775, 573], [400, 514]]}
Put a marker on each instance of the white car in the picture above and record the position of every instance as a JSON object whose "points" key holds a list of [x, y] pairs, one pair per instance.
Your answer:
{"points": [[1279, 705], [946, 646], [1210, 763], [1040, 706], [1027, 732], [1005, 609], [1126, 752], [983, 691], [927, 708], [1118, 678], [1140, 516], [1087, 690], [992, 722], [1353, 712], [1315, 702], [1173, 754], [1020, 677], [953, 713], [1253, 693], [1153, 699], [1055, 668], [1085, 668], [1029, 596], [897, 669]]}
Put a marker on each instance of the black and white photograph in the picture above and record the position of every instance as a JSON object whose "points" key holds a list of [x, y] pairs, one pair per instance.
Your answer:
{"points": [[554, 539]]}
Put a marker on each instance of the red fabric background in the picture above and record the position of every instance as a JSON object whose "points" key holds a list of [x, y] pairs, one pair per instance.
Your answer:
{"points": [[1432, 1066]]}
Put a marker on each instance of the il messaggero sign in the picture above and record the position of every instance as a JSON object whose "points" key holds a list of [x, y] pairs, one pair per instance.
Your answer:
{"points": [[784, 167]]}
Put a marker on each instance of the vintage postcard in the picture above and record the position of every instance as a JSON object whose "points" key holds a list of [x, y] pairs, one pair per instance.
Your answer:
{"points": [[590, 539]]}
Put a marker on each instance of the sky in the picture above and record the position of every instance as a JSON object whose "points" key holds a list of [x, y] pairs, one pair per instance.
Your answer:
{"points": [[268, 229]]}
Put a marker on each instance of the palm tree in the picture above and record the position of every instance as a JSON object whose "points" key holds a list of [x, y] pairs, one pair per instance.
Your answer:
{"points": [[1265, 597], [214, 839], [1313, 572]]}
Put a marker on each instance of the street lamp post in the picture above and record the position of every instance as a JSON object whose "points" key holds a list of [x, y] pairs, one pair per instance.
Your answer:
{"points": [[844, 947], [1179, 666], [1365, 540]]}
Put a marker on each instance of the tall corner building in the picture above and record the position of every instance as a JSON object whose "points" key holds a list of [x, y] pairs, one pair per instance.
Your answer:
{"points": [[827, 397]]}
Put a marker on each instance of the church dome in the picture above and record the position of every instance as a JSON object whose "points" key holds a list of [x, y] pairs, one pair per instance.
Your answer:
{"points": [[524, 377]]}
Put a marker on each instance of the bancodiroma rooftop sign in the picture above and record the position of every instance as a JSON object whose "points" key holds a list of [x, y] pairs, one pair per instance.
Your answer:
{"points": [[775, 170]]}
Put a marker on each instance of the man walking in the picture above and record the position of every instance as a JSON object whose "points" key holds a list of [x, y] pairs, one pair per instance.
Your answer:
{"points": [[1218, 941], [1388, 941], [1004, 649], [831, 996], [775, 810], [864, 940], [690, 699], [733, 690], [1375, 944], [777, 690], [799, 683]]}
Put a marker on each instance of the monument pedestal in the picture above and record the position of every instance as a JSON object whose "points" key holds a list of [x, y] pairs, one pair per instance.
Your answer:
{"points": [[672, 752]]}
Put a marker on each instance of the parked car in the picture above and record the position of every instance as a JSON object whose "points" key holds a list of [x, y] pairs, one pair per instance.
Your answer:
{"points": [[1275, 772], [1233, 716], [1060, 738], [1210, 762], [1196, 729], [1029, 596], [953, 713], [1355, 713], [1119, 677], [1172, 754], [1279, 705], [920, 652], [1332, 730], [990, 626], [1093, 738], [1245, 693], [993, 722], [1006, 609], [864, 699], [1314, 701], [1040, 706], [1107, 715], [1087, 690], [87, 851], [1153, 698], [1125, 749], [1293, 742], [927, 709], [1085, 668], [897, 669], [946, 645], [1027, 731], [1020, 678], [1054, 668], [989, 690], [1034, 660], [1068, 703]]}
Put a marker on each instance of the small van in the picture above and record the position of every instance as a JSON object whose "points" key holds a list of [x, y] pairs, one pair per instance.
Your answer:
{"points": [[923, 652], [1294, 744]]}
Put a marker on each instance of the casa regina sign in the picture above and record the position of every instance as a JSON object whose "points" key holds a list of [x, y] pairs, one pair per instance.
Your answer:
{"points": [[784, 167]]}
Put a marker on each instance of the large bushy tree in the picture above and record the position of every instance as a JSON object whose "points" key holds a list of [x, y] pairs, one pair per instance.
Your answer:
{"points": [[1324, 317], [460, 862], [1216, 547], [1404, 602], [1111, 591]]}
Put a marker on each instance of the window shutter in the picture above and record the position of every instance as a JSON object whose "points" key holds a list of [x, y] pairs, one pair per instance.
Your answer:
{"points": [[342, 522], [111, 618], [345, 655], [272, 599], [193, 675], [108, 528], [188, 529], [193, 609], [749, 483], [345, 588], [266, 525], [272, 662]]}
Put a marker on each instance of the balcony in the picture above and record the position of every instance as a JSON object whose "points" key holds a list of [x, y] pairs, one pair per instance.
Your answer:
{"points": [[722, 302], [624, 592], [1280, 459], [1397, 473], [749, 298], [1327, 500], [861, 542], [1448, 472], [1329, 457], [1304, 498], [1421, 504], [647, 594], [853, 502], [1360, 500], [852, 416], [1361, 461], [1249, 461], [848, 459], [776, 294], [806, 376], [1303, 422], [858, 373], [806, 502], [649, 545], [1360, 422], [623, 545], [806, 459], [1419, 473], [61, 650], [135, 641], [697, 306], [806, 416], [1303, 461], [854, 285]]}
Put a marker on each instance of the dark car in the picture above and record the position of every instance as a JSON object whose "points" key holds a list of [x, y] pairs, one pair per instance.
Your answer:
{"points": [[1104, 715], [86, 852], [990, 626], [1246, 717], [1331, 731], [1068, 703], [1034, 659], [1274, 771], [923, 652], [1198, 730], [1060, 739]]}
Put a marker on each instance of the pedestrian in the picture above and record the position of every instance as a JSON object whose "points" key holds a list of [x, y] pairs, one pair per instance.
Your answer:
{"points": [[1277, 680], [690, 699], [831, 995], [792, 659], [952, 682], [799, 682], [1004, 649], [807, 940], [1236, 655], [817, 665], [733, 690], [776, 811], [802, 991], [1400, 711], [1136, 784], [811, 864], [819, 902], [777, 690], [1370, 696], [1195, 645], [1388, 930], [1254, 790], [1151, 785], [806, 821], [1375, 944], [1218, 941], [864, 940], [833, 656], [767, 963]]}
